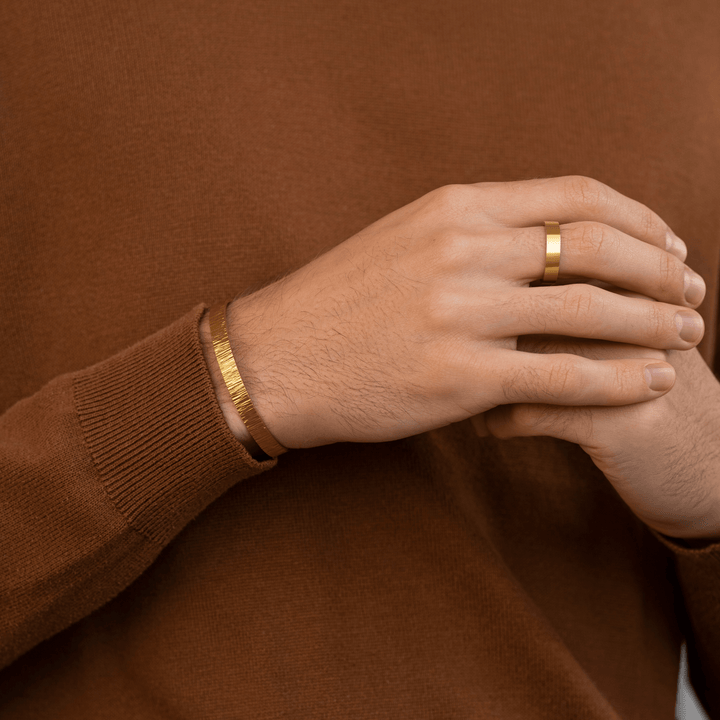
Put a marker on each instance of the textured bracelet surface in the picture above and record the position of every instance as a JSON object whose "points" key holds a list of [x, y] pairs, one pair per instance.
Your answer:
{"points": [[236, 387]]}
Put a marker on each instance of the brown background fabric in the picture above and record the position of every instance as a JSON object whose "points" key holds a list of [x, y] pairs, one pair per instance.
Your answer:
{"points": [[158, 157]]}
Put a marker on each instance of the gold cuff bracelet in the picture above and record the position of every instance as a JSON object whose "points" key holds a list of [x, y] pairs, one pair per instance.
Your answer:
{"points": [[236, 387]]}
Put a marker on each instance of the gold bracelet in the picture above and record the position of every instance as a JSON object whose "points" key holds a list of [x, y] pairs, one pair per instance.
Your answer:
{"points": [[236, 387]]}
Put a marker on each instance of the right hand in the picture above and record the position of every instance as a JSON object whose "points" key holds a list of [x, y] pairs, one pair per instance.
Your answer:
{"points": [[412, 323]]}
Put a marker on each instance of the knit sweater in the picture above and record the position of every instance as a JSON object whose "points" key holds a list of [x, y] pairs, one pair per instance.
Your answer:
{"points": [[159, 157]]}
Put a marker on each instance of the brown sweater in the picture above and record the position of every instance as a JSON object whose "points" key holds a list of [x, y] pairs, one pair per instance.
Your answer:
{"points": [[159, 157]]}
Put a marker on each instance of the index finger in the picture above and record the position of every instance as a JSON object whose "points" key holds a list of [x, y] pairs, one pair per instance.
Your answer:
{"points": [[574, 198]]}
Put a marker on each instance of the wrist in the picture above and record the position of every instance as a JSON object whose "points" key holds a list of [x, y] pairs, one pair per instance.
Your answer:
{"points": [[250, 325], [264, 351]]}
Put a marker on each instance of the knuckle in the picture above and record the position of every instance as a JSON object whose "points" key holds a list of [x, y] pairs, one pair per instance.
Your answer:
{"points": [[440, 309], [453, 199], [558, 379], [670, 275], [626, 382], [579, 302], [523, 243], [585, 193], [562, 378], [651, 224], [593, 239], [660, 326], [514, 383]]}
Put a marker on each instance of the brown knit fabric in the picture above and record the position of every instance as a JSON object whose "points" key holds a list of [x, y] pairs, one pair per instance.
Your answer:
{"points": [[159, 157]]}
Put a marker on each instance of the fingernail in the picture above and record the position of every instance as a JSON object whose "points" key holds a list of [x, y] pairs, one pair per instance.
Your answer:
{"points": [[694, 288], [659, 377], [690, 325], [675, 245]]}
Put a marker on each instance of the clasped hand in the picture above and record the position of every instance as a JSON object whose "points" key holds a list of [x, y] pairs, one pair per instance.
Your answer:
{"points": [[414, 323], [662, 456]]}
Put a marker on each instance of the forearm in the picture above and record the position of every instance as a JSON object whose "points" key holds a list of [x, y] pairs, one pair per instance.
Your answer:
{"points": [[99, 470]]}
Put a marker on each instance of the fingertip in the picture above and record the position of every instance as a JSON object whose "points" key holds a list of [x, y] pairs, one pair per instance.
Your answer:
{"points": [[674, 245], [660, 377]]}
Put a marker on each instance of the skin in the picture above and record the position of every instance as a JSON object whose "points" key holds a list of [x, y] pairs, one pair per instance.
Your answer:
{"points": [[421, 320], [662, 456]]}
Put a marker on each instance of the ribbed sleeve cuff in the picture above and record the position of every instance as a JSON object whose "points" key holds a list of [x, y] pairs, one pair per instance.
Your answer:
{"points": [[698, 573], [155, 431]]}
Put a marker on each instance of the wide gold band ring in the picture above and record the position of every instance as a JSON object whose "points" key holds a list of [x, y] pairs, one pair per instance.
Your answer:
{"points": [[552, 251]]}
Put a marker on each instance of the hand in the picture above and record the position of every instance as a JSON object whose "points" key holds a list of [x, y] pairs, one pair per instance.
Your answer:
{"points": [[412, 323], [662, 456]]}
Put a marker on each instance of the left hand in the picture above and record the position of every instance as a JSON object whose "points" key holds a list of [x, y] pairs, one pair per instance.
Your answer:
{"points": [[662, 456]]}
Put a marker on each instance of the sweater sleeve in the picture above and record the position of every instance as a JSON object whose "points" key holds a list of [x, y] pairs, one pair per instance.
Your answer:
{"points": [[697, 573], [99, 470]]}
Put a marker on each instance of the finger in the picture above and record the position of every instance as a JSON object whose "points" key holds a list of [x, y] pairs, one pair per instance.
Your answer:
{"points": [[621, 291], [618, 291], [592, 349], [591, 312], [574, 424], [574, 198], [599, 251], [479, 425], [566, 379]]}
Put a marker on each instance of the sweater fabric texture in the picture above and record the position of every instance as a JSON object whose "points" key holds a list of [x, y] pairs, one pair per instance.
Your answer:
{"points": [[159, 157]]}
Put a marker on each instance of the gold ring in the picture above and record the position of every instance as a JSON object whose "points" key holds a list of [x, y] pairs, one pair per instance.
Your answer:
{"points": [[552, 251]]}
